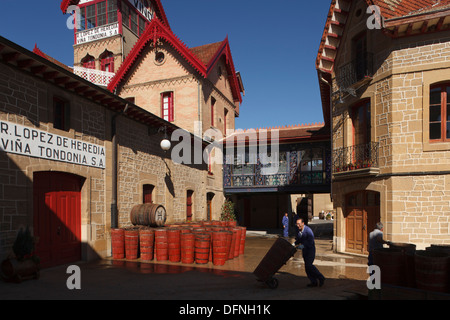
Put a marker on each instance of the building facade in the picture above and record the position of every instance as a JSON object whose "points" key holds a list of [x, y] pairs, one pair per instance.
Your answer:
{"points": [[77, 155], [384, 72], [270, 172]]}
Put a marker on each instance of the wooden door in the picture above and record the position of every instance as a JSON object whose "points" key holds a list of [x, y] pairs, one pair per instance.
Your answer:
{"points": [[362, 213], [57, 217]]}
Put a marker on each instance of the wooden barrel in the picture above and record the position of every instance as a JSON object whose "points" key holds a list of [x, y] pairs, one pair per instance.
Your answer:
{"points": [[161, 245], [409, 251], [220, 247], [174, 242], [131, 244], [432, 270], [146, 243], [392, 265], [187, 247], [147, 214], [202, 248], [118, 243]]}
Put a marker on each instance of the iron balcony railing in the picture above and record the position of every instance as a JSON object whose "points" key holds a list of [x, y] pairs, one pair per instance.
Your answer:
{"points": [[355, 157], [356, 70]]}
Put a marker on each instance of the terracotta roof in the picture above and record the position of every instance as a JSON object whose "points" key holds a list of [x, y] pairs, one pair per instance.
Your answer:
{"points": [[206, 52], [38, 51], [292, 133], [399, 8]]}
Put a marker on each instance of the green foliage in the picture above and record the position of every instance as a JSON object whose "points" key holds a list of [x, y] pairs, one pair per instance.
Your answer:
{"points": [[23, 246], [228, 211]]}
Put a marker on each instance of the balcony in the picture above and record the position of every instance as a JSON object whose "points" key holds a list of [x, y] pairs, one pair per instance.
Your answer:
{"points": [[355, 161], [356, 72], [303, 170], [98, 77]]}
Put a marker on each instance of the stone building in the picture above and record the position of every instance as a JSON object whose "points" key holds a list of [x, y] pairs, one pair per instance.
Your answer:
{"points": [[270, 172], [384, 74], [76, 157]]}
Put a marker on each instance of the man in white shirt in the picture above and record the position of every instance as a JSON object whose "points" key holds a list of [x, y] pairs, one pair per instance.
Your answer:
{"points": [[376, 241]]}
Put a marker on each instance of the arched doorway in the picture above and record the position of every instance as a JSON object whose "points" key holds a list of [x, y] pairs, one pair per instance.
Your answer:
{"points": [[362, 213], [57, 217]]}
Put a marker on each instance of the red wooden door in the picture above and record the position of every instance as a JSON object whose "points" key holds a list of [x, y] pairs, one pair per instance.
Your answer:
{"points": [[57, 217]]}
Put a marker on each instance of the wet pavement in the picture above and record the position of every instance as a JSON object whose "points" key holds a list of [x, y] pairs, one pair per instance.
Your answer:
{"points": [[136, 280]]}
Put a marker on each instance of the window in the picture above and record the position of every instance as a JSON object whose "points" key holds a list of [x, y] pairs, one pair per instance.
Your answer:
{"points": [[134, 21], [90, 17], [440, 113], [101, 14], [107, 61], [213, 103], [112, 11], [141, 25], [61, 114], [225, 118], [167, 106], [98, 14], [88, 62], [361, 123], [189, 204], [209, 199], [147, 191], [360, 51]]}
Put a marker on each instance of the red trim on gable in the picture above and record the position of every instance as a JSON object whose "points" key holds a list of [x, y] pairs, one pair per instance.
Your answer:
{"points": [[154, 31]]}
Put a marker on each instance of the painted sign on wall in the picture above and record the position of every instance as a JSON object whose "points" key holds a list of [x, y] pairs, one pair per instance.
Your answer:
{"points": [[31, 142], [97, 33]]}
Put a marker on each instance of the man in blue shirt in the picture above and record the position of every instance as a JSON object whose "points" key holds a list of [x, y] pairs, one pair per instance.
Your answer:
{"points": [[305, 241], [285, 223]]}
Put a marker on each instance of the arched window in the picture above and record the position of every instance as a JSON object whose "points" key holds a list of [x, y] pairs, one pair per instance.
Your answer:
{"points": [[88, 62], [107, 61]]}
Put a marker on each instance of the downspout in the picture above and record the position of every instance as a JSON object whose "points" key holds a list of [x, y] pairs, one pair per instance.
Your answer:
{"points": [[331, 132], [114, 211], [199, 110]]}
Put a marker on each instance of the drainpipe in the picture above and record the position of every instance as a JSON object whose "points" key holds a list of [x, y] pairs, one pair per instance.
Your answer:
{"points": [[331, 130], [114, 211]]}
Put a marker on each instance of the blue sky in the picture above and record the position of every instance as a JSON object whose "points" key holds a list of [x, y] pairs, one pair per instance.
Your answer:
{"points": [[274, 45]]}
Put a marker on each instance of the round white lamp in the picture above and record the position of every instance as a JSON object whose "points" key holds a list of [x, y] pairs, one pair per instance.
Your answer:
{"points": [[165, 144]]}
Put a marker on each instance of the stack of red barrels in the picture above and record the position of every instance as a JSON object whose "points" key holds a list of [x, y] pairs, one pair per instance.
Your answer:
{"points": [[193, 242]]}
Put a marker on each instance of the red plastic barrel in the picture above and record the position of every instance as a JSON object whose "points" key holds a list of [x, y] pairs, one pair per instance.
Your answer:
{"points": [[187, 247], [174, 242], [219, 247], [161, 245], [131, 244], [146, 243], [118, 243], [202, 248]]}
